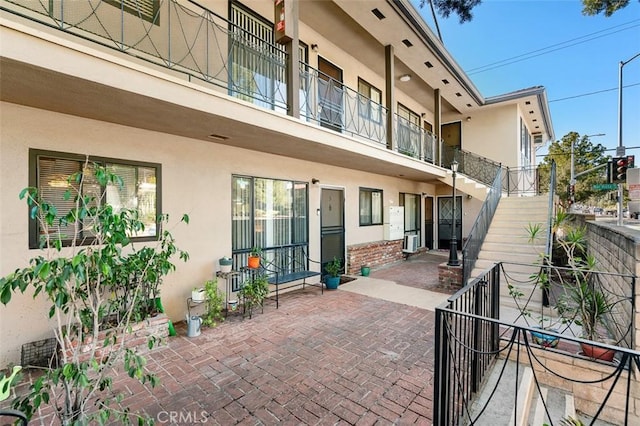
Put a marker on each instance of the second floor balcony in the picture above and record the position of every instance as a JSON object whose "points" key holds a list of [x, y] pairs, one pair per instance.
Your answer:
{"points": [[199, 45]]}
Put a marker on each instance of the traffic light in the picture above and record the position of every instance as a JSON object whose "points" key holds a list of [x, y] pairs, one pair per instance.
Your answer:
{"points": [[572, 193], [619, 166]]}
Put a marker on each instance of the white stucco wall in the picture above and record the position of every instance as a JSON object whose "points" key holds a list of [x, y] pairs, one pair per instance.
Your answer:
{"points": [[196, 179]]}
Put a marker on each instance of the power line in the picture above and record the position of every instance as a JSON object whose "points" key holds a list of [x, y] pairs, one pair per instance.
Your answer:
{"points": [[593, 93], [562, 154], [553, 47]]}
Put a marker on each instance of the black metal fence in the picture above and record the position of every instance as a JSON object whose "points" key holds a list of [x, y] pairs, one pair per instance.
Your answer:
{"points": [[465, 344], [472, 340]]}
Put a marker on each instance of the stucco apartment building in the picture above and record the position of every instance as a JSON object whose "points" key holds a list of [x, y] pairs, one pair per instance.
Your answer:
{"points": [[289, 125]]}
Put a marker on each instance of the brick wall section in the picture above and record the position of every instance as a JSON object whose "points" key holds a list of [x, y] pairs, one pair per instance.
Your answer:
{"points": [[374, 254], [550, 368], [157, 326], [450, 277], [617, 249]]}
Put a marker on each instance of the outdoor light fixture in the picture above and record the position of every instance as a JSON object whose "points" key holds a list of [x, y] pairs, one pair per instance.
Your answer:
{"points": [[405, 78], [453, 243], [314, 181], [314, 47]]}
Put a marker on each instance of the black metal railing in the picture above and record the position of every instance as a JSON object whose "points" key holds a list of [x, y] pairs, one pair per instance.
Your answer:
{"points": [[478, 232], [463, 359], [521, 181], [189, 38], [476, 167], [465, 345]]}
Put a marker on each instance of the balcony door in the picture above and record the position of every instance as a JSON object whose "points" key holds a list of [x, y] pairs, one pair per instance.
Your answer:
{"points": [[330, 95], [452, 141]]}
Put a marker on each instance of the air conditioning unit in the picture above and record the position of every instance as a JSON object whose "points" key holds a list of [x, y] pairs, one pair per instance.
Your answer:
{"points": [[410, 244]]}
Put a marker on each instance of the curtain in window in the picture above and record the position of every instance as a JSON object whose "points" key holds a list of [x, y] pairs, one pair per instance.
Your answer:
{"points": [[138, 192], [268, 213]]}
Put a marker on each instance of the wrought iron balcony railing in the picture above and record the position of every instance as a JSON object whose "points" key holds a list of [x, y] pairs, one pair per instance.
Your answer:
{"points": [[188, 38]]}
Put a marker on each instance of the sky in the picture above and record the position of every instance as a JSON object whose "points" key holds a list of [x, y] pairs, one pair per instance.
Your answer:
{"points": [[516, 44]]}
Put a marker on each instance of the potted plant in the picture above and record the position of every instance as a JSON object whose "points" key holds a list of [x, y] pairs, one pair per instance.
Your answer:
{"points": [[588, 307], [97, 292], [226, 263], [198, 294], [253, 292], [215, 304], [333, 268], [365, 270], [253, 261]]}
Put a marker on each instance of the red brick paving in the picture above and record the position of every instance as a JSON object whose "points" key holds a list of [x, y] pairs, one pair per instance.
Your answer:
{"points": [[337, 358]]}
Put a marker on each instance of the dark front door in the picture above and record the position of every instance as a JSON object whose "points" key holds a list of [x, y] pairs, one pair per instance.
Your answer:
{"points": [[428, 222], [330, 95], [445, 215], [331, 225]]}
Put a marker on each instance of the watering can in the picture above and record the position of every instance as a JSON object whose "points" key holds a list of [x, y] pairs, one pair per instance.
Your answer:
{"points": [[193, 325]]}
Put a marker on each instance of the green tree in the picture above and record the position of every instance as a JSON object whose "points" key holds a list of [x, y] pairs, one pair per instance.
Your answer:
{"points": [[463, 8], [586, 157]]}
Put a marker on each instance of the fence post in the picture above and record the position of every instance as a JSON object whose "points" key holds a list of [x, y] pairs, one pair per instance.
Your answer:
{"points": [[441, 397]]}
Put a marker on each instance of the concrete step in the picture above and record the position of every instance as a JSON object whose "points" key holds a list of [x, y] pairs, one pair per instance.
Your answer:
{"points": [[551, 405], [498, 394]]}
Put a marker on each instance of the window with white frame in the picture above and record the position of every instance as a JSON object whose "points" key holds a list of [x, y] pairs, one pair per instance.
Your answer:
{"points": [[408, 131], [50, 173], [370, 206], [369, 101], [411, 204]]}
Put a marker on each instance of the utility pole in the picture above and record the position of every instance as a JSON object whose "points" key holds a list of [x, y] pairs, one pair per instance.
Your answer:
{"points": [[621, 152]]}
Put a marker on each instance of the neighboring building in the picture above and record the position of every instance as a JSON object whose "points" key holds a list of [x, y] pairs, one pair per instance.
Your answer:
{"points": [[306, 144]]}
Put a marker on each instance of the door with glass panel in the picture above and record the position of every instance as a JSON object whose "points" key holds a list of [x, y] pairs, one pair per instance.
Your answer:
{"points": [[445, 216], [411, 204], [331, 225], [330, 94]]}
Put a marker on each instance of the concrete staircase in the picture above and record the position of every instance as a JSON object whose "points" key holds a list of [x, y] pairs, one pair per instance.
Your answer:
{"points": [[496, 403], [508, 241], [467, 185]]}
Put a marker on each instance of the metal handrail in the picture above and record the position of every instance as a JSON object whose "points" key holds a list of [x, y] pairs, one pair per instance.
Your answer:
{"points": [[472, 165], [478, 232], [470, 339]]}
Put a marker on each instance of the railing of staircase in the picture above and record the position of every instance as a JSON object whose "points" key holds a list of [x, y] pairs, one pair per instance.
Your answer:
{"points": [[478, 232], [465, 345], [476, 167], [551, 210], [521, 181], [475, 337]]}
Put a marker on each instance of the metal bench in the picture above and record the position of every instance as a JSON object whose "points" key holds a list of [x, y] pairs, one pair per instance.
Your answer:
{"points": [[286, 266]]}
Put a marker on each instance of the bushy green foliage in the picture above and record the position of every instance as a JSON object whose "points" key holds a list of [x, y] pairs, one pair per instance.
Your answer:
{"points": [[105, 283], [215, 304]]}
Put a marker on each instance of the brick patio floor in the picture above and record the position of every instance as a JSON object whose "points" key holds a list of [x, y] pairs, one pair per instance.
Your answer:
{"points": [[337, 358]]}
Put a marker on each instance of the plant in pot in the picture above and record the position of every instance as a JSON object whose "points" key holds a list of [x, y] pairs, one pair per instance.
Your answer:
{"points": [[333, 269], [215, 304], [226, 263], [198, 294], [96, 290], [543, 279], [365, 270], [253, 292], [253, 261]]}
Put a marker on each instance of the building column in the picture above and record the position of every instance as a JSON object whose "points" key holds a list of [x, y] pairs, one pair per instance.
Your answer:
{"points": [[437, 124], [288, 36], [390, 98]]}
